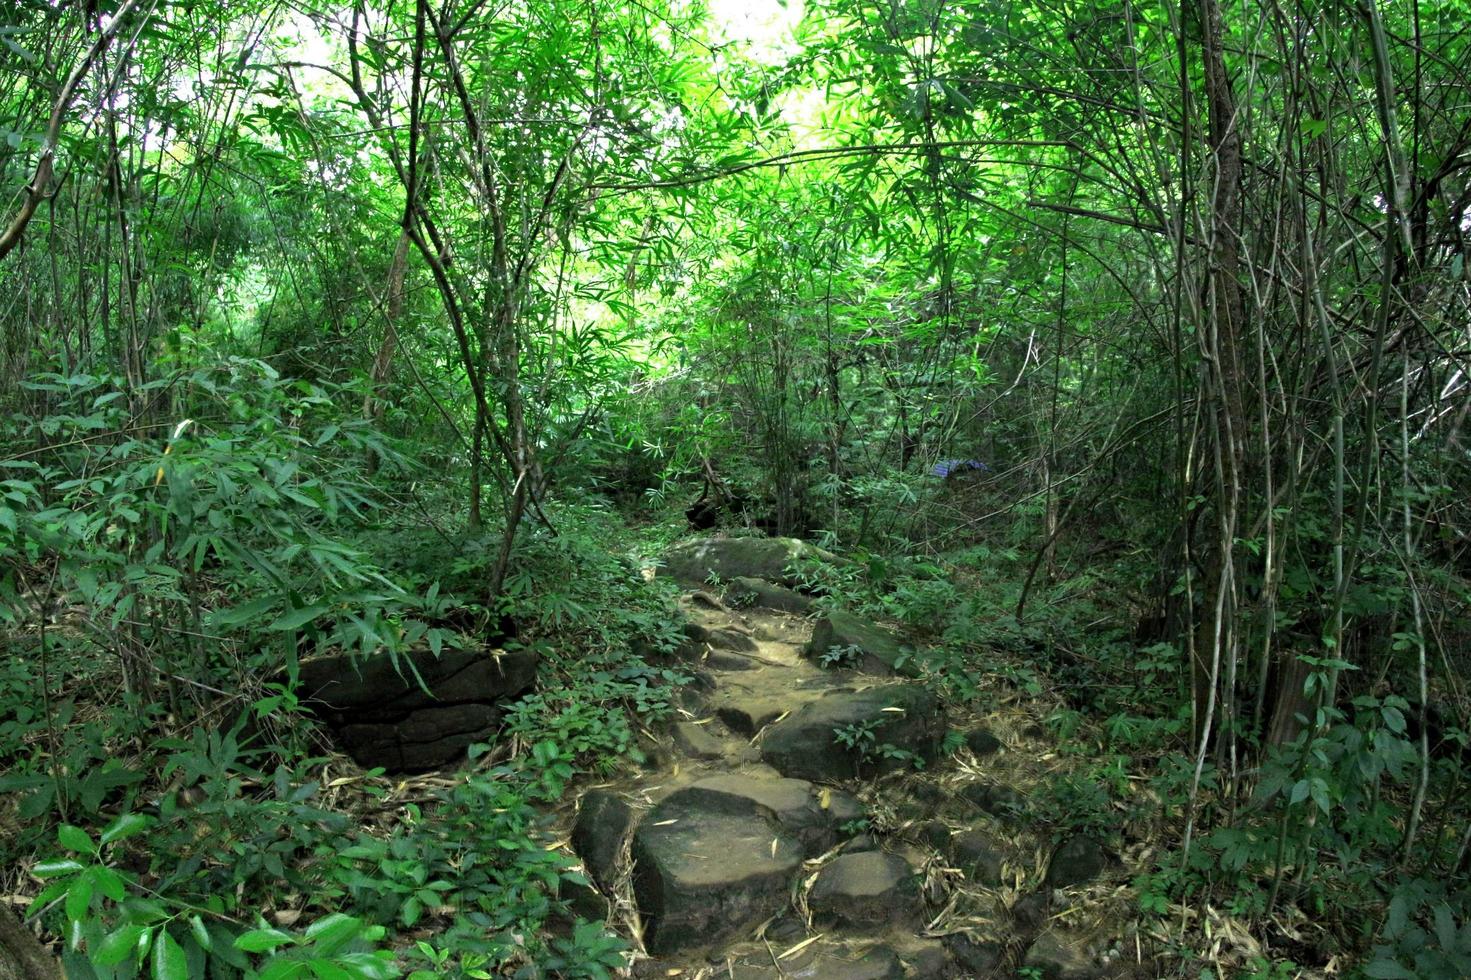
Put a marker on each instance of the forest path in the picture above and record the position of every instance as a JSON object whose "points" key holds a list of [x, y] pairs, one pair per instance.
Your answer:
{"points": [[801, 821]]}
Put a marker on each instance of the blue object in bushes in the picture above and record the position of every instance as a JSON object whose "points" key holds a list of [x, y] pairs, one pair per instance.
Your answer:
{"points": [[947, 468]]}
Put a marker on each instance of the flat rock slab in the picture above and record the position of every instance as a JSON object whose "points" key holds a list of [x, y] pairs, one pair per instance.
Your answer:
{"points": [[726, 660], [867, 889], [876, 963], [383, 716], [748, 715], [927, 959], [746, 592], [1059, 957], [724, 638], [707, 869], [749, 701], [693, 563], [805, 745], [841, 639], [797, 805], [695, 742]]}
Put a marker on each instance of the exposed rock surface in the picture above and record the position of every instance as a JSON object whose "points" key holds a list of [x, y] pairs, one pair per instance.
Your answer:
{"points": [[1079, 859], [692, 563], [745, 591], [875, 963], [977, 854], [707, 868], [740, 868], [995, 799], [693, 741], [977, 958], [842, 639], [383, 716], [928, 960], [870, 888], [906, 717], [796, 804], [1059, 957], [604, 820], [982, 743], [728, 660], [729, 639]]}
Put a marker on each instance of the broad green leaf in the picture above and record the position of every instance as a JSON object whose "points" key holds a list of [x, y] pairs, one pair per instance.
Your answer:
{"points": [[262, 940], [125, 826], [169, 961], [297, 618], [118, 945], [74, 839], [79, 897], [201, 932], [55, 869]]}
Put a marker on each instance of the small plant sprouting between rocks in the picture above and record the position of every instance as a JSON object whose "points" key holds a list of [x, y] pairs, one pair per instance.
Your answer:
{"points": [[838, 657], [862, 738]]}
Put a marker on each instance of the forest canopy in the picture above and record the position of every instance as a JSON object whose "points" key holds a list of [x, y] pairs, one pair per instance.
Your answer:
{"points": [[1094, 374]]}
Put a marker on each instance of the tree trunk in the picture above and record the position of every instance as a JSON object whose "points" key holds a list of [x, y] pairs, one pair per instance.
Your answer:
{"points": [[382, 368], [22, 957], [1223, 313]]}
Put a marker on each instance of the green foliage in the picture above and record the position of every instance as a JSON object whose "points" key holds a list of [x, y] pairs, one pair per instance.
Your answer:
{"points": [[116, 928], [862, 739], [1411, 951], [836, 657], [303, 284]]}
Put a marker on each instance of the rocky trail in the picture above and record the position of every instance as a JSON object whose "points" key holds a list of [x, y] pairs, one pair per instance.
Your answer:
{"points": [[805, 816]]}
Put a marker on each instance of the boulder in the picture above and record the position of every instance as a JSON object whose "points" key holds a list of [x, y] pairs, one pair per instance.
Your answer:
{"points": [[796, 804], [384, 716], [1029, 913], [728, 639], [338, 684], [982, 743], [869, 889], [1058, 957], [994, 798], [932, 794], [603, 821], [707, 868], [692, 695], [694, 742], [575, 900], [846, 809], [428, 738], [978, 957], [1077, 860], [928, 959], [692, 563], [726, 660], [976, 853], [841, 639], [789, 927], [805, 744], [935, 833], [746, 592], [747, 712]]}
